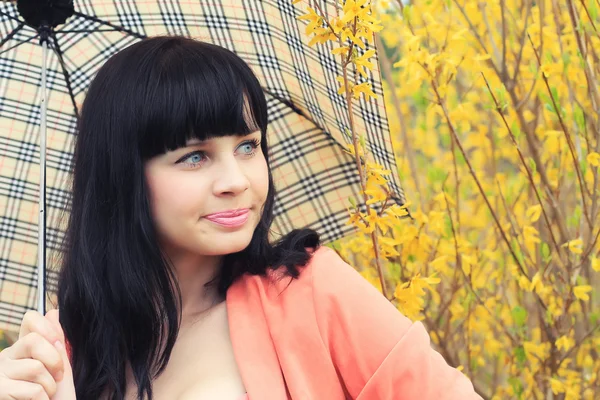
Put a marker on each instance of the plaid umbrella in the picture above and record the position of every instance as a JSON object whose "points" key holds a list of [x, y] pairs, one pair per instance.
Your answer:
{"points": [[308, 120]]}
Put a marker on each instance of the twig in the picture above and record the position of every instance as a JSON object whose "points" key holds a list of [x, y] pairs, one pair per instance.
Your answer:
{"points": [[409, 153], [453, 131], [567, 136], [524, 163]]}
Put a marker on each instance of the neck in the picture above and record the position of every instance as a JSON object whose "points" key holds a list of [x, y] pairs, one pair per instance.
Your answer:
{"points": [[193, 272]]}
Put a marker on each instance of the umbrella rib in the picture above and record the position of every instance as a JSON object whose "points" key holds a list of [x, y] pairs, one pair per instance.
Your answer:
{"points": [[293, 107], [85, 30], [117, 27], [12, 34], [59, 53]]}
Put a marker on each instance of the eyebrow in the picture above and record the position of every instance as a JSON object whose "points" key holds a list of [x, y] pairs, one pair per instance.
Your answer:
{"points": [[197, 142]]}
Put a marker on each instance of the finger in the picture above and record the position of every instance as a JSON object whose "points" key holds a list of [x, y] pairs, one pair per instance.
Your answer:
{"points": [[52, 316], [33, 321], [21, 390], [65, 390], [38, 348], [33, 371]]}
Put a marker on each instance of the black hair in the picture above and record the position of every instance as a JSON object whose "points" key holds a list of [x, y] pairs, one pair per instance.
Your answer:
{"points": [[117, 293]]}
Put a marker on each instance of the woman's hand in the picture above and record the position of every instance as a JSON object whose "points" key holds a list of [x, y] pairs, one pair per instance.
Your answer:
{"points": [[36, 367]]}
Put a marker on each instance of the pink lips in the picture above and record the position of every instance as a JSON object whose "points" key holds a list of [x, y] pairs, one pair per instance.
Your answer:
{"points": [[231, 218]]}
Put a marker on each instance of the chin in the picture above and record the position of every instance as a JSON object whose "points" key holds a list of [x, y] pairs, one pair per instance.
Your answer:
{"points": [[231, 244]]}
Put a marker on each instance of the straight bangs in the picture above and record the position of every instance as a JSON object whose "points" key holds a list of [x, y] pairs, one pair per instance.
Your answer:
{"points": [[200, 91]]}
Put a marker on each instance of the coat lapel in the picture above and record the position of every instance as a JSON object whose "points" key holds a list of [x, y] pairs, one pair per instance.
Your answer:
{"points": [[251, 340]]}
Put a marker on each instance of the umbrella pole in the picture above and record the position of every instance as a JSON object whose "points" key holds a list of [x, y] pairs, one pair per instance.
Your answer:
{"points": [[41, 286]]}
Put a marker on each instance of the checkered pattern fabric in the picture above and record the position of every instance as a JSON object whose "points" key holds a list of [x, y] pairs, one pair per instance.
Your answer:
{"points": [[314, 175]]}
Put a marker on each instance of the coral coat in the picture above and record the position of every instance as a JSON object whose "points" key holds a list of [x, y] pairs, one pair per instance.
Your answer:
{"points": [[331, 335]]}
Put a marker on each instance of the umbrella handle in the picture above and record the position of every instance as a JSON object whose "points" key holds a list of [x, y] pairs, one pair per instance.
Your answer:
{"points": [[41, 286]]}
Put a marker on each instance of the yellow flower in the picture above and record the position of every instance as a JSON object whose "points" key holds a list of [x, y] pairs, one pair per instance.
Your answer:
{"points": [[337, 25], [362, 62], [536, 281], [535, 351], [322, 35], [595, 264], [533, 213], [315, 20], [581, 292], [353, 9], [397, 211], [530, 235], [467, 263], [342, 88], [432, 280], [347, 33], [593, 159], [565, 342], [376, 195], [575, 246], [551, 69], [557, 386], [363, 88], [350, 148], [340, 50]]}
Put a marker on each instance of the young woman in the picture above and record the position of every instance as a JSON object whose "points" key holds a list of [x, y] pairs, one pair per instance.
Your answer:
{"points": [[169, 287]]}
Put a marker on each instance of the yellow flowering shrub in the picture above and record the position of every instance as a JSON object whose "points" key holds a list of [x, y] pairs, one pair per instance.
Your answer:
{"points": [[494, 109]]}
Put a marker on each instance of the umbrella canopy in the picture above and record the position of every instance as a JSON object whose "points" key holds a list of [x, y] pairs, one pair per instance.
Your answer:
{"points": [[308, 120]]}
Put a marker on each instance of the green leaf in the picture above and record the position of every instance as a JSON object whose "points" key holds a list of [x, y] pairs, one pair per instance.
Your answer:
{"points": [[517, 250], [352, 201], [348, 133], [445, 140], [517, 386], [532, 166], [394, 269], [519, 315], [574, 219], [460, 159], [583, 165], [566, 57], [436, 175], [591, 6], [514, 127], [447, 226], [594, 317], [362, 141], [406, 13], [420, 99], [554, 92], [579, 117], [520, 356], [545, 251]]}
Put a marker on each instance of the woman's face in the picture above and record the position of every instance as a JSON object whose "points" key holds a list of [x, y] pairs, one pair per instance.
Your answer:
{"points": [[190, 183]]}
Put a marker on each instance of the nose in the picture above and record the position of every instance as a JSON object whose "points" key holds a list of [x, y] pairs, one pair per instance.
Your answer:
{"points": [[230, 178]]}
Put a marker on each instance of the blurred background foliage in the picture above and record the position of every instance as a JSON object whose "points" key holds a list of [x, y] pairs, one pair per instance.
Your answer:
{"points": [[494, 107]]}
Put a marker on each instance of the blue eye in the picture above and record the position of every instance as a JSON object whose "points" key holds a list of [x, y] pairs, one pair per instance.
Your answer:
{"points": [[197, 157], [252, 145]]}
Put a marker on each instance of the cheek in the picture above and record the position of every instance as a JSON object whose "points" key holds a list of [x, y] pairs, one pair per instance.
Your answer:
{"points": [[260, 180], [172, 195]]}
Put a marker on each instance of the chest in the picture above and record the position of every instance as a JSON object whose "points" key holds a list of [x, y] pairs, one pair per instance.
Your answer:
{"points": [[202, 364]]}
